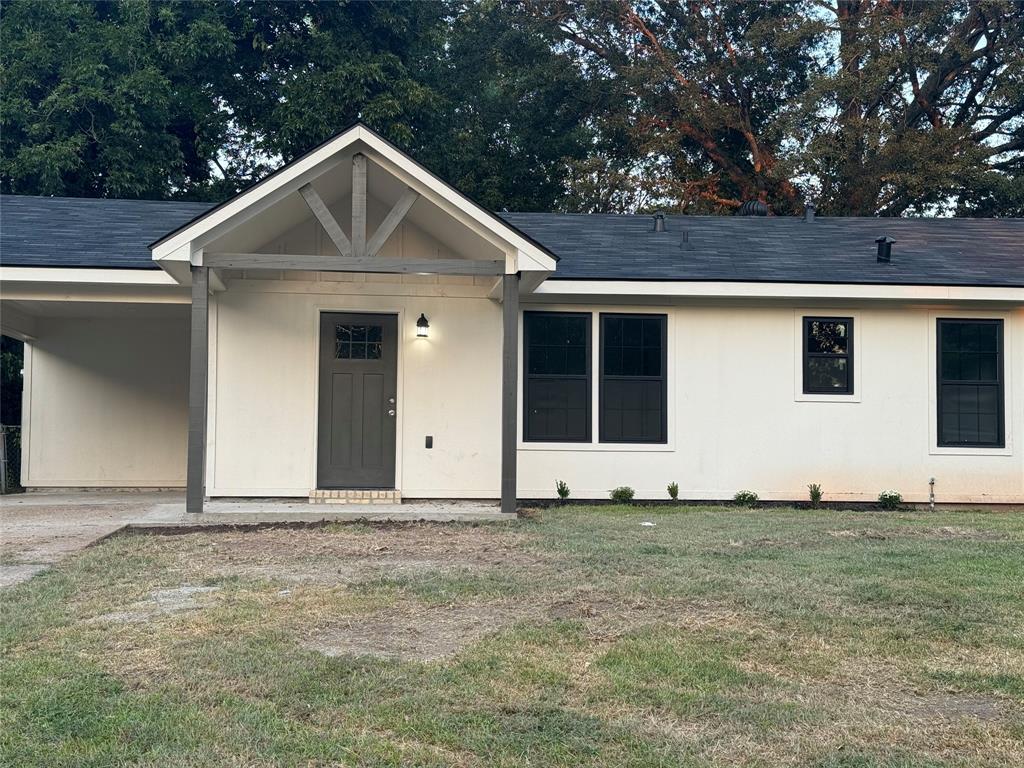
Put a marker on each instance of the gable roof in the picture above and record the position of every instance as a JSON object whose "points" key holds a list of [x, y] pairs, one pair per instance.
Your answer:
{"points": [[304, 168], [83, 232]]}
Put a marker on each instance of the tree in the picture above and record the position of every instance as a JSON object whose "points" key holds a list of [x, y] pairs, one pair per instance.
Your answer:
{"points": [[111, 99], [711, 91], [919, 108]]}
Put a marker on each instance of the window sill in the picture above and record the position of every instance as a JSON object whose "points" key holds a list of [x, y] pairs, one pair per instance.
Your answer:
{"points": [[589, 447], [952, 450], [805, 398]]}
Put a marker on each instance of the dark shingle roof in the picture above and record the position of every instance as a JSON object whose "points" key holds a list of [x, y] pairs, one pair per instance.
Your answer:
{"points": [[86, 232], [982, 252], [77, 232]]}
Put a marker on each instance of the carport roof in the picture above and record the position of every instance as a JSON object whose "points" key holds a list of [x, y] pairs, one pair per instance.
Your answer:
{"points": [[108, 233]]}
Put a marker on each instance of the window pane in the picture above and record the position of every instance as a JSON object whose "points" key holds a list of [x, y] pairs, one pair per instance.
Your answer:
{"points": [[827, 374], [633, 387], [970, 392], [827, 336], [557, 387]]}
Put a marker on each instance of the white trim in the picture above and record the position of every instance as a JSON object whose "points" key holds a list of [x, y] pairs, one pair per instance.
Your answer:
{"points": [[934, 448], [100, 276], [636, 288], [294, 175], [595, 382], [799, 395]]}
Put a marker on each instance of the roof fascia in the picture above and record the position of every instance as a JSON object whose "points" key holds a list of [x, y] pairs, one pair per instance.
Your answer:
{"points": [[754, 290]]}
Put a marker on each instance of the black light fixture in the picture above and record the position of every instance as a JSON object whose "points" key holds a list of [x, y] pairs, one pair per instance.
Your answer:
{"points": [[422, 327]]}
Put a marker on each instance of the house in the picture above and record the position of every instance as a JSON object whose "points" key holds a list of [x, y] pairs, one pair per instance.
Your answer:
{"points": [[353, 324]]}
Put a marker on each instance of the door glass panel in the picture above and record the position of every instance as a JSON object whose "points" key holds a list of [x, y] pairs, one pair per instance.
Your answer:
{"points": [[358, 342]]}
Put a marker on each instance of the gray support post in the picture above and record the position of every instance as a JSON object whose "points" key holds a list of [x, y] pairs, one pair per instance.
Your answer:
{"points": [[359, 206], [198, 376], [509, 390]]}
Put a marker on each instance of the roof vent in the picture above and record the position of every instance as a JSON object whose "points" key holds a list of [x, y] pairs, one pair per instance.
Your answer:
{"points": [[753, 208], [809, 210], [885, 248], [659, 222]]}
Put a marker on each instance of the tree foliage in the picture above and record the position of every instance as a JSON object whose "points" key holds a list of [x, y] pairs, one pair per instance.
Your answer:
{"points": [[871, 107]]}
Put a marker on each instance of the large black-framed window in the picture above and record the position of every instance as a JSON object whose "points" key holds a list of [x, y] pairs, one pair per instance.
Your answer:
{"points": [[556, 387], [970, 383], [633, 394], [828, 355]]}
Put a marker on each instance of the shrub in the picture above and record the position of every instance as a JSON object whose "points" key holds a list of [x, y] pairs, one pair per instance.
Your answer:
{"points": [[673, 491], [890, 499], [623, 494], [814, 492], [745, 498], [562, 489]]}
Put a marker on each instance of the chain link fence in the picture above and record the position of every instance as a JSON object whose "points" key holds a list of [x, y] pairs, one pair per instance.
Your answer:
{"points": [[10, 459]]}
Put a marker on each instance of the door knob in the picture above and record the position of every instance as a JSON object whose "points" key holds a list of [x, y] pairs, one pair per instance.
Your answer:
{"points": [[391, 411]]}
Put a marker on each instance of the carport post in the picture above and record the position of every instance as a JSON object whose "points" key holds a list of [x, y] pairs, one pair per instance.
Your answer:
{"points": [[509, 399], [195, 490]]}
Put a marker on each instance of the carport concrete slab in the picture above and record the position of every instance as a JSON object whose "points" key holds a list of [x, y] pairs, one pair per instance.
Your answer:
{"points": [[41, 528]]}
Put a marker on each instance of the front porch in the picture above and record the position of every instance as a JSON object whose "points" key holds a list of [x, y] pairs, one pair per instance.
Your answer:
{"points": [[354, 207]]}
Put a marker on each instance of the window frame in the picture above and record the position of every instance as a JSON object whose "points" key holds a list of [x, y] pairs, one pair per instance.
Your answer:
{"points": [[1000, 382], [806, 355], [588, 377], [602, 377]]}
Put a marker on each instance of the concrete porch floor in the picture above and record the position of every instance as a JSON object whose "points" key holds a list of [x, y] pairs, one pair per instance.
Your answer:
{"points": [[41, 528]]}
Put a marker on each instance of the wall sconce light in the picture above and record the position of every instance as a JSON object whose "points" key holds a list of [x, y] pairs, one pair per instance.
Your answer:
{"points": [[422, 327]]}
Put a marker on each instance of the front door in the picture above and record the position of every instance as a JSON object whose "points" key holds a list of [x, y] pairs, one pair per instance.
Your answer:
{"points": [[358, 394]]}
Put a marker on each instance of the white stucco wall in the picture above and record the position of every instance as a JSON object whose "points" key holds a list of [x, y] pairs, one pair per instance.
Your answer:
{"points": [[736, 418], [105, 400]]}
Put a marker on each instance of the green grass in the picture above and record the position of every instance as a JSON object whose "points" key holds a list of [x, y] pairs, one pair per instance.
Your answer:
{"points": [[718, 636]]}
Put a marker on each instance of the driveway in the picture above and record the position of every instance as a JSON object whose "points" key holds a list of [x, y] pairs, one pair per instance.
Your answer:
{"points": [[40, 529]]}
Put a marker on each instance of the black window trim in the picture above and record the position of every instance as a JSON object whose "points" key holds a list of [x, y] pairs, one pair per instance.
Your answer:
{"points": [[664, 377], [1000, 381], [806, 356], [589, 317]]}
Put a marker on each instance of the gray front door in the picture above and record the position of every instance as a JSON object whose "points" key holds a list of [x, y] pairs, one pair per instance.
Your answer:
{"points": [[357, 410]]}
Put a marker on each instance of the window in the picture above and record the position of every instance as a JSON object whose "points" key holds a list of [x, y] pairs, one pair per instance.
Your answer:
{"points": [[357, 342], [557, 382], [633, 391], [828, 355], [970, 381]]}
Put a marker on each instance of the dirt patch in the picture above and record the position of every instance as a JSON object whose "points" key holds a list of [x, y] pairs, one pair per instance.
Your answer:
{"points": [[417, 634], [950, 706], [160, 602], [348, 555]]}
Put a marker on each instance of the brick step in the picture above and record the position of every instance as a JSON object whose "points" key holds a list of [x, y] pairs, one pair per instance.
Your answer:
{"points": [[355, 496]]}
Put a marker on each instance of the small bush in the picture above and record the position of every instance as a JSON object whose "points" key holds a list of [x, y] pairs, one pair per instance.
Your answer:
{"points": [[673, 491], [563, 489], [814, 493], [890, 500], [623, 494], [745, 498]]}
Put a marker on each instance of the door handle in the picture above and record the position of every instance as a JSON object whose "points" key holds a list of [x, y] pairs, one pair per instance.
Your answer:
{"points": [[391, 411]]}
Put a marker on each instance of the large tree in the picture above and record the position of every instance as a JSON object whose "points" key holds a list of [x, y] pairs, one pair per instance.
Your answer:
{"points": [[918, 107], [711, 91]]}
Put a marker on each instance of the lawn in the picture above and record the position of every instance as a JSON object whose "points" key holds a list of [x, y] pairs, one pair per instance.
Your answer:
{"points": [[716, 636]]}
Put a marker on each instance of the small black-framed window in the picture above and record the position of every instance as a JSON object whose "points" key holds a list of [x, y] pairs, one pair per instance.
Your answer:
{"points": [[633, 395], [828, 355], [970, 375], [556, 387]]}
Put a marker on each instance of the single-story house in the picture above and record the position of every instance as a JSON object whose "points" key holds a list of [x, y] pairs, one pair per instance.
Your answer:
{"points": [[353, 326]]}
